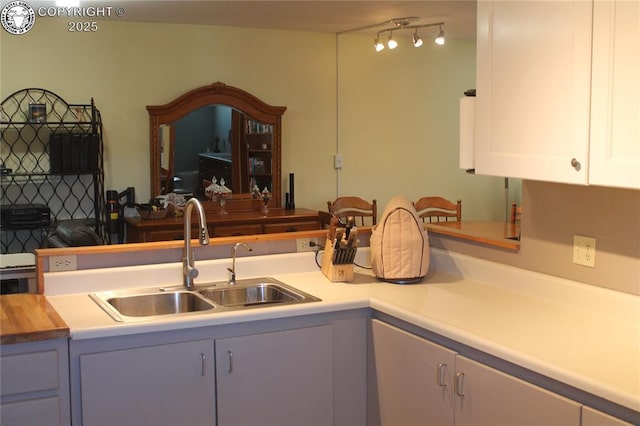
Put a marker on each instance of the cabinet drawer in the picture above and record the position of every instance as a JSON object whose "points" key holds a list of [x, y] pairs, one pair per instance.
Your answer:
{"points": [[32, 412], [29, 372], [234, 230], [168, 235], [271, 228], [159, 234]]}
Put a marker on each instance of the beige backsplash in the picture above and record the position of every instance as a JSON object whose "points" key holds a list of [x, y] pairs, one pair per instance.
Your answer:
{"points": [[553, 214]]}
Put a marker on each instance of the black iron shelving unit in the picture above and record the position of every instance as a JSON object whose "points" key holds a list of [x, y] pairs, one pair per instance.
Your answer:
{"points": [[52, 160]]}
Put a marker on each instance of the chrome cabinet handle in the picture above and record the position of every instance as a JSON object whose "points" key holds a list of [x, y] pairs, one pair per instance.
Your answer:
{"points": [[230, 355], [442, 371], [459, 384], [204, 364]]}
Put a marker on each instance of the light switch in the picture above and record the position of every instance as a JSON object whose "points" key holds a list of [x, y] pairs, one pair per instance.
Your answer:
{"points": [[584, 251], [338, 161]]}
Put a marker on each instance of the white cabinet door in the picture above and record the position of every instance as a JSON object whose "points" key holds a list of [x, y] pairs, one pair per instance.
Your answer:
{"points": [[168, 384], [591, 417], [614, 158], [410, 381], [277, 378], [485, 396], [533, 86]]}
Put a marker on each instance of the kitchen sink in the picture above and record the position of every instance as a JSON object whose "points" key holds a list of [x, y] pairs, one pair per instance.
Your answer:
{"points": [[141, 304], [256, 292], [125, 304]]}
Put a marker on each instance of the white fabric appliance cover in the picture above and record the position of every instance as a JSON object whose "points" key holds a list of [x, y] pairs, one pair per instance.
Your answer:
{"points": [[399, 244]]}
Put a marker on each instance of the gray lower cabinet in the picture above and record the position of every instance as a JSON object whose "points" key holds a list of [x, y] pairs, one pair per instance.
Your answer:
{"points": [[413, 381], [304, 370], [34, 386], [155, 385], [591, 417], [409, 379], [487, 396], [279, 378]]}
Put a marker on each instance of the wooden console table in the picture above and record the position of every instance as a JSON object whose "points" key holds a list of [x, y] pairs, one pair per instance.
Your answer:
{"points": [[232, 224]]}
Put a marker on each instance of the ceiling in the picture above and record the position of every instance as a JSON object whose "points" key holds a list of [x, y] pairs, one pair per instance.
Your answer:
{"points": [[332, 16]]}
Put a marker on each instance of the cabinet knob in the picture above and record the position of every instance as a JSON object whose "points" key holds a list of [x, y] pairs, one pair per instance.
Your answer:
{"points": [[576, 164]]}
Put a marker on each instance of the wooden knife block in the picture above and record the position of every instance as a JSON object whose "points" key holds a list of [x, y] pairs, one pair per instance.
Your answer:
{"points": [[335, 273]]}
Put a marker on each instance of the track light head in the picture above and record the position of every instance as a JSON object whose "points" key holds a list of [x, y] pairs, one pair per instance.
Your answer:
{"points": [[391, 43], [440, 38], [417, 41], [377, 44]]}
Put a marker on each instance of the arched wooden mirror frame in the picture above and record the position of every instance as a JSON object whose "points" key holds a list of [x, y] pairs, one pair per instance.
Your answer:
{"points": [[221, 94]]}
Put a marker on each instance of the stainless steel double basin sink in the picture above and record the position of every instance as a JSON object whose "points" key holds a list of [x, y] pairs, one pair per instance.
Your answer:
{"points": [[139, 304]]}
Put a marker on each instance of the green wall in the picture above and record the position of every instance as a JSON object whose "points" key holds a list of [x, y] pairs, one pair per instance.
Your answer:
{"points": [[392, 115]]}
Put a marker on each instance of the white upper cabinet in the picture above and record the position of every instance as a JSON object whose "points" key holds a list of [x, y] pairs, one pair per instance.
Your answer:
{"points": [[536, 116], [533, 79], [614, 156]]}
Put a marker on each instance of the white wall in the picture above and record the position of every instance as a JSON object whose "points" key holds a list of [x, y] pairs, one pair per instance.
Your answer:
{"points": [[398, 110]]}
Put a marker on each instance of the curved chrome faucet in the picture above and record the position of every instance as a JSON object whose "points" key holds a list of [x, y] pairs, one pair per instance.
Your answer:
{"points": [[232, 270], [189, 272]]}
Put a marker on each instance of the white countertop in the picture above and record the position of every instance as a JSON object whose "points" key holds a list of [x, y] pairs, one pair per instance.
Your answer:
{"points": [[581, 335]]}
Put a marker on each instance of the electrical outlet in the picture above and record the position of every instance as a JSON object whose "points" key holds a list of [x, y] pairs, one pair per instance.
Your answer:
{"points": [[584, 251], [62, 263], [305, 244]]}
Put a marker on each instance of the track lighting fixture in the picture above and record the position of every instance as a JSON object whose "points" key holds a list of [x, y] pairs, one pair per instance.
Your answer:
{"points": [[398, 25]]}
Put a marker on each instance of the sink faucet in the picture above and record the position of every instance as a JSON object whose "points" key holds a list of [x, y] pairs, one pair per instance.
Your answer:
{"points": [[189, 272], [232, 270]]}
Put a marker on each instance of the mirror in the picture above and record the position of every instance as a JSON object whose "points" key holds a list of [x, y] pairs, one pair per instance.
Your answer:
{"points": [[216, 131]]}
